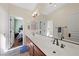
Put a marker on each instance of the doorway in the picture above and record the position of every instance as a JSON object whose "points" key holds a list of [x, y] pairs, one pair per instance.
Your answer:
{"points": [[16, 32]]}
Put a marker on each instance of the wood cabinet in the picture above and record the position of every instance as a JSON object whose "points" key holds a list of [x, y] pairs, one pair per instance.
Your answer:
{"points": [[37, 51], [34, 50]]}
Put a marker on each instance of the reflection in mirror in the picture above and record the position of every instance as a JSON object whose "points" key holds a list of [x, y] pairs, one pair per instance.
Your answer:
{"points": [[73, 27], [63, 23], [68, 31], [45, 28], [16, 32]]}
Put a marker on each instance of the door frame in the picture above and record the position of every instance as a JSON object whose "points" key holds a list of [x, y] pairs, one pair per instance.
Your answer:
{"points": [[21, 18]]}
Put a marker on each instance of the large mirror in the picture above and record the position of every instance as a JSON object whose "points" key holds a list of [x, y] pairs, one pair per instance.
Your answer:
{"points": [[16, 32], [61, 23], [70, 32]]}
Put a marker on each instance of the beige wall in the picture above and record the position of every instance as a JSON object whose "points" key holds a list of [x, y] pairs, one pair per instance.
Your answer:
{"points": [[11, 10], [20, 12], [62, 15], [3, 25], [3, 18]]}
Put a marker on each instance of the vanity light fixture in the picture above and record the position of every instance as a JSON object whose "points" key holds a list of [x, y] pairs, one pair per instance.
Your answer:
{"points": [[36, 13]]}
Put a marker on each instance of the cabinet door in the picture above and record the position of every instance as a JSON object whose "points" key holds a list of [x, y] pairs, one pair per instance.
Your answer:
{"points": [[37, 51]]}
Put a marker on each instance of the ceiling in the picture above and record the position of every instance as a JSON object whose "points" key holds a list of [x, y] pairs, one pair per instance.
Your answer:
{"points": [[28, 6], [47, 7], [51, 7]]}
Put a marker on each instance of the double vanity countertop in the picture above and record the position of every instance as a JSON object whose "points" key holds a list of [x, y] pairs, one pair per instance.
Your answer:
{"points": [[45, 44]]}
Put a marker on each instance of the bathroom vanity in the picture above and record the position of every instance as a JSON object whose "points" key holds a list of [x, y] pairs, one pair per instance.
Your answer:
{"points": [[45, 44], [34, 49]]}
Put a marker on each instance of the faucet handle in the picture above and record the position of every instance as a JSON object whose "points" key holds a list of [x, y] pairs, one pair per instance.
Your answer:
{"points": [[56, 40], [57, 43], [62, 45]]}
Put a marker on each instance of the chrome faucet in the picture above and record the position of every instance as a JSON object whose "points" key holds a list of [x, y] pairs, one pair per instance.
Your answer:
{"points": [[56, 40], [62, 37]]}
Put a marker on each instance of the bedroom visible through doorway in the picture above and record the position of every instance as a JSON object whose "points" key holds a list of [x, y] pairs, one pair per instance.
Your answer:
{"points": [[16, 32]]}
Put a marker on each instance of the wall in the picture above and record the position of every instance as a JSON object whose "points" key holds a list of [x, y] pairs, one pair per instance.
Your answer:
{"points": [[23, 13], [3, 25], [20, 12], [62, 16], [7, 10]]}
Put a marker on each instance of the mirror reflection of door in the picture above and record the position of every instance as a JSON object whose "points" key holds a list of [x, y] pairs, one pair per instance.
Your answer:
{"points": [[16, 32]]}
